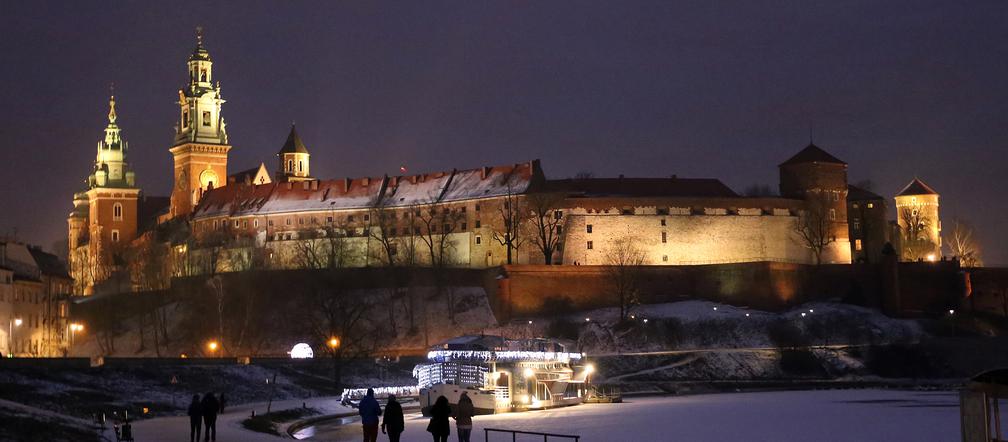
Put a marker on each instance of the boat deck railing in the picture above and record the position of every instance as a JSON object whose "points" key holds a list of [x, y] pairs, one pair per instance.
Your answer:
{"points": [[515, 433]]}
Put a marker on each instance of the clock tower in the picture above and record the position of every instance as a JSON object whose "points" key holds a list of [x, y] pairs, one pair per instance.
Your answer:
{"points": [[201, 142]]}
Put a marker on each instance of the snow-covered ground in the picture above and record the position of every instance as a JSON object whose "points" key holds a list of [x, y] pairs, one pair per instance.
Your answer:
{"points": [[820, 415]]}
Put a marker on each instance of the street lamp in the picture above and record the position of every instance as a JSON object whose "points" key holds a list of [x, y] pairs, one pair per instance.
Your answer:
{"points": [[333, 343], [74, 328], [10, 335], [212, 346]]}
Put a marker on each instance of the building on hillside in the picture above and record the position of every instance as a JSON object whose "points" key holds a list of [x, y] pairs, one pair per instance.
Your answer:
{"points": [[480, 217], [919, 222], [35, 287], [868, 224]]}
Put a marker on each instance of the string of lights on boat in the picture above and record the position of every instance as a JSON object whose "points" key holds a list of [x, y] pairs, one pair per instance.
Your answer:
{"points": [[501, 356]]}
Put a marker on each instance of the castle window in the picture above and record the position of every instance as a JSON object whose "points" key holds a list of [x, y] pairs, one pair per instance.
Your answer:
{"points": [[290, 165], [255, 223], [185, 118], [477, 208], [664, 237], [269, 223], [855, 205], [349, 218], [479, 240], [663, 222], [465, 225], [245, 224], [328, 219], [367, 217], [300, 166], [288, 221], [115, 236], [627, 211], [117, 212], [832, 214], [236, 224], [588, 229], [477, 224], [301, 221], [664, 258], [446, 228], [206, 118], [558, 214], [203, 76], [857, 244], [591, 245]]}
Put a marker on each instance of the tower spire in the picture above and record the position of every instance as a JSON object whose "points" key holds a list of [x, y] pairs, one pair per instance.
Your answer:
{"points": [[199, 35], [112, 112]]}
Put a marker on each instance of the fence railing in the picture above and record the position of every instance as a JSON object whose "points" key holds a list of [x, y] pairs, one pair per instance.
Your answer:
{"points": [[515, 433]]}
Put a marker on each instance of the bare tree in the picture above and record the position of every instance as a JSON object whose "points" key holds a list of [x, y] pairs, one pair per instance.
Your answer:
{"points": [[338, 320], [511, 214], [546, 222], [438, 222], [383, 229], [310, 249], [623, 272], [916, 242], [814, 224], [961, 243]]}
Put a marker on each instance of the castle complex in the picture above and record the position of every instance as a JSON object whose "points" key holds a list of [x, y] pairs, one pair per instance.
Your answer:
{"points": [[479, 217]]}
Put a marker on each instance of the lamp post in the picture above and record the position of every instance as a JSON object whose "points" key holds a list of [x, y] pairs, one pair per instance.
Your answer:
{"points": [[74, 328], [10, 335], [334, 344], [212, 346]]}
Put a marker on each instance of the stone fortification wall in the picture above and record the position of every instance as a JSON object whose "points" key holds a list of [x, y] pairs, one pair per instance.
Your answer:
{"points": [[686, 239]]}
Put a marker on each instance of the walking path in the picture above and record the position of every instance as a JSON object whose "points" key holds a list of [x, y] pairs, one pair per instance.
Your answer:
{"points": [[229, 427]]}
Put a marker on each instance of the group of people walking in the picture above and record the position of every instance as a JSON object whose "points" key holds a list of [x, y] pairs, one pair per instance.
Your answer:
{"points": [[393, 423], [203, 412]]}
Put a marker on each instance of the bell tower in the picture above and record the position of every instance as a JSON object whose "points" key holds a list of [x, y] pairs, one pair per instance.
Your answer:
{"points": [[201, 143], [104, 219]]}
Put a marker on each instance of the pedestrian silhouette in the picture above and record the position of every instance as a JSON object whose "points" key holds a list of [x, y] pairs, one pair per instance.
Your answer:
{"points": [[369, 411], [439, 426], [463, 417], [210, 408], [195, 418], [393, 421]]}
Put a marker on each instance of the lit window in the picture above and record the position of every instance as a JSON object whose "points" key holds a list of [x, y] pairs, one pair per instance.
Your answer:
{"points": [[117, 212], [871, 205], [857, 244], [115, 236], [206, 118], [590, 245]]}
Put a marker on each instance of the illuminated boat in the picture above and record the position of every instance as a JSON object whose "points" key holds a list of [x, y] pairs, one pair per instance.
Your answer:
{"points": [[502, 375]]}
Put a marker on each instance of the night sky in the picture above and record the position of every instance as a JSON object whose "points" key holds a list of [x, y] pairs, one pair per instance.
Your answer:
{"points": [[896, 89]]}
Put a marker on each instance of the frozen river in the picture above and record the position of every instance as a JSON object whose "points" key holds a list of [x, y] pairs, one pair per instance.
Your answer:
{"points": [[822, 415]]}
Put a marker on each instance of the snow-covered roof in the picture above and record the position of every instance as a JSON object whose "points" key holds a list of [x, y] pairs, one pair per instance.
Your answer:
{"points": [[362, 193]]}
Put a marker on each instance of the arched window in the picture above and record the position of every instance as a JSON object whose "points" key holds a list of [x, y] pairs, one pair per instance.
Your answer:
{"points": [[300, 166], [117, 212], [290, 165], [203, 76]]}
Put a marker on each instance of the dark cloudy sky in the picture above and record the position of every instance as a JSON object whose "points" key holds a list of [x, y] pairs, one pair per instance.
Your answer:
{"points": [[704, 89]]}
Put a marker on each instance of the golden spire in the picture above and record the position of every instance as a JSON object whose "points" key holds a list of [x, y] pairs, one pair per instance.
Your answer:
{"points": [[112, 112], [199, 36]]}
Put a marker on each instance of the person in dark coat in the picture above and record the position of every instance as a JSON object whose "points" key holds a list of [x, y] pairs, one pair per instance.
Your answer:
{"points": [[195, 418], [438, 426], [210, 408], [223, 403], [393, 421], [464, 412], [369, 411]]}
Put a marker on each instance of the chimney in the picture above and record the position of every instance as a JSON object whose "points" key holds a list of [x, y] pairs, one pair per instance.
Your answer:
{"points": [[346, 184], [484, 172], [393, 181]]}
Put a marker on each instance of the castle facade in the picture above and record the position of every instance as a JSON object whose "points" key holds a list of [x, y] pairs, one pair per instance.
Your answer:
{"points": [[479, 217]]}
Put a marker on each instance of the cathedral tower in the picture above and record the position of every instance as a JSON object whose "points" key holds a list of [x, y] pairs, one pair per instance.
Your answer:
{"points": [[201, 143], [293, 157], [104, 218], [920, 226]]}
